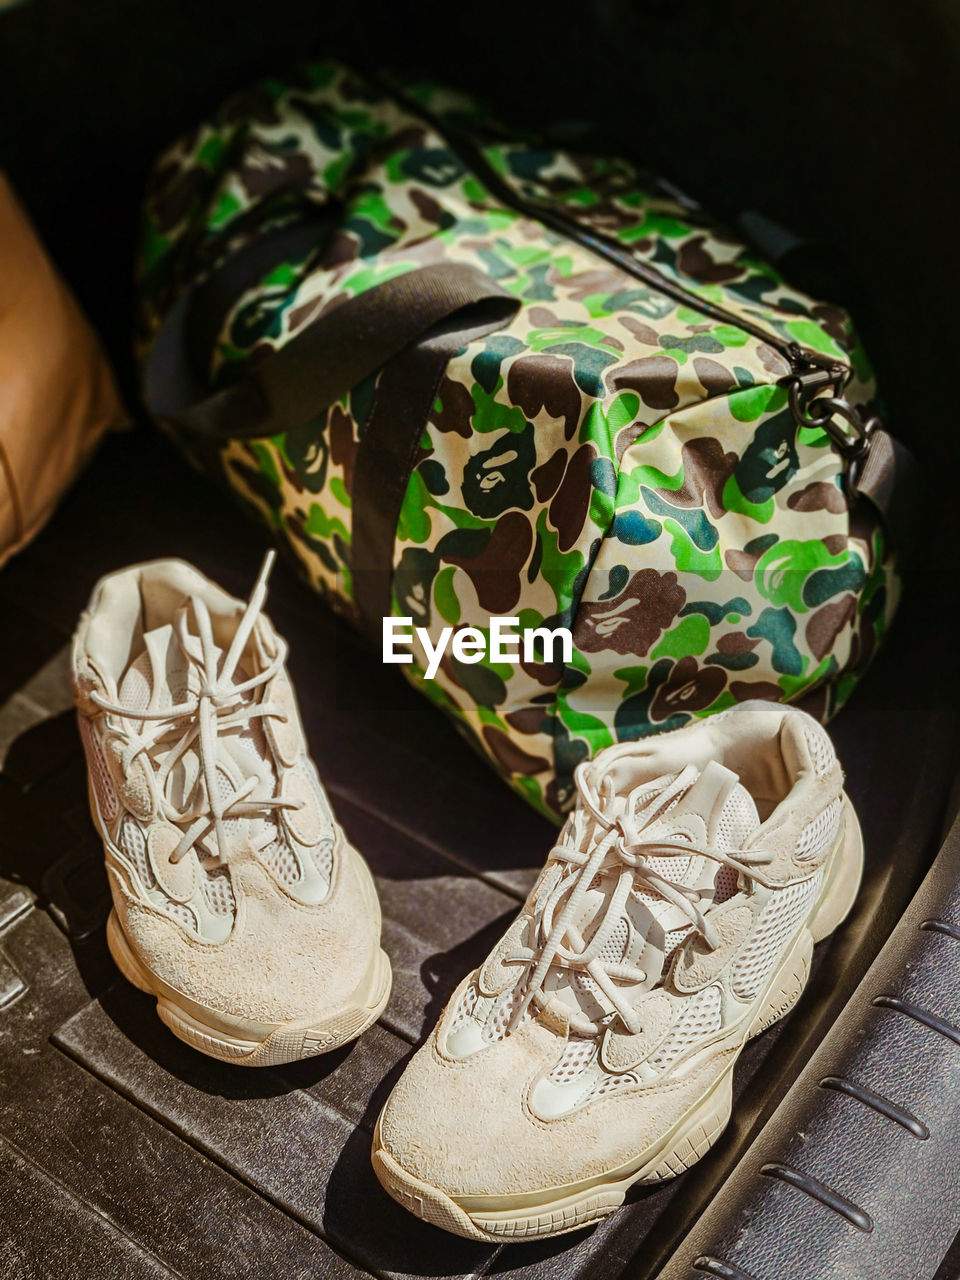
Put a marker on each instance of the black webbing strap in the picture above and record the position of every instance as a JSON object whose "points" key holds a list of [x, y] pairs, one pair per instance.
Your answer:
{"points": [[409, 326], [336, 352], [216, 296], [388, 452], [890, 480]]}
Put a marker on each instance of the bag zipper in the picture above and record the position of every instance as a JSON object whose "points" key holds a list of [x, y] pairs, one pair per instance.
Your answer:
{"points": [[812, 371]]}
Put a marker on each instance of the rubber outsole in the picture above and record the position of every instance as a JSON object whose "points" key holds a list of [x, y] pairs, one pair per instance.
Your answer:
{"points": [[582, 1205]]}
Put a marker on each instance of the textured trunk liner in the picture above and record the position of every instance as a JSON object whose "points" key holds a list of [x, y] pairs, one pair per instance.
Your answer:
{"points": [[124, 1152]]}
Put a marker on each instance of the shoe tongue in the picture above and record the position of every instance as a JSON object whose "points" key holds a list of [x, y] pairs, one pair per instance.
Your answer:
{"points": [[709, 808], [710, 805], [161, 677]]}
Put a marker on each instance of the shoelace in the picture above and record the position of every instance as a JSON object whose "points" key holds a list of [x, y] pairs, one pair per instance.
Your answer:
{"points": [[219, 706], [621, 839]]}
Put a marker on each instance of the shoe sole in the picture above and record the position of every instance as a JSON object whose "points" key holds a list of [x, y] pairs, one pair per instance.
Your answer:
{"points": [[581, 1204]]}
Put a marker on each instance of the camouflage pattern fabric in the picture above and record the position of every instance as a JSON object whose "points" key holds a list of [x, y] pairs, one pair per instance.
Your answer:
{"points": [[611, 460]]}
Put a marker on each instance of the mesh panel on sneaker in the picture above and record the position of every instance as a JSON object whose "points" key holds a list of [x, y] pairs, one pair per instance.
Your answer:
{"points": [[323, 858], [282, 862], [596, 1082], [700, 1017], [136, 688], [180, 911], [737, 820], [780, 918], [674, 867], [608, 1083], [673, 939], [136, 685], [134, 847], [725, 883], [491, 1015], [466, 1008], [502, 1011], [678, 872], [578, 1053], [99, 773], [819, 835], [647, 896], [219, 892], [820, 748], [227, 790], [612, 950]]}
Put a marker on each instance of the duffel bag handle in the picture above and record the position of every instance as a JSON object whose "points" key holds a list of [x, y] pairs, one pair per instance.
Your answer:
{"points": [[334, 353]]}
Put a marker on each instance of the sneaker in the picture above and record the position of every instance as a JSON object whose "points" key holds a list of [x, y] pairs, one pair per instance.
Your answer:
{"points": [[595, 1046], [238, 903]]}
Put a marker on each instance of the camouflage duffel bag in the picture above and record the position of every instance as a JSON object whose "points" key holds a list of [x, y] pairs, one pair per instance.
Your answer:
{"points": [[464, 376]]}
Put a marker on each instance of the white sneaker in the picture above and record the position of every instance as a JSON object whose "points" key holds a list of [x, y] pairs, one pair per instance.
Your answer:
{"points": [[238, 902], [674, 920]]}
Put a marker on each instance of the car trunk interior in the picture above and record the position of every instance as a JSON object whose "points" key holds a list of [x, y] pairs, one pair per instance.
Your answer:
{"points": [[122, 1150]]}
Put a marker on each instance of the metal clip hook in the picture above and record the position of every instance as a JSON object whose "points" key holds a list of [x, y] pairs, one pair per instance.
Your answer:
{"points": [[843, 422]]}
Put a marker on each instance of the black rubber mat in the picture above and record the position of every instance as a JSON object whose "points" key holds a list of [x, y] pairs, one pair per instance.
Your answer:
{"points": [[124, 1152]]}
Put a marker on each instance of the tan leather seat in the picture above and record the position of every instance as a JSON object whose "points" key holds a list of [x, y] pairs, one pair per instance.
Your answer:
{"points": [[57, 393]]}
